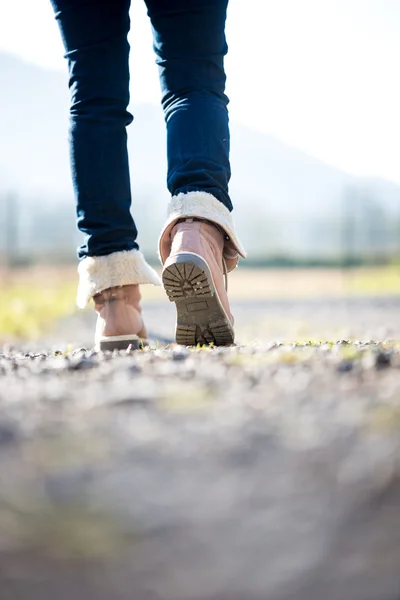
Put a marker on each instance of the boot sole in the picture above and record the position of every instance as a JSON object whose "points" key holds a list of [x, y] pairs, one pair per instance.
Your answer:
{"points": [[201, 318], [119, 342]]}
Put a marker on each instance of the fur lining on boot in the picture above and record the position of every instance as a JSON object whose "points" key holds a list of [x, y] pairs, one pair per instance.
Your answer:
{"points": [[98, 273], [201, 205]]}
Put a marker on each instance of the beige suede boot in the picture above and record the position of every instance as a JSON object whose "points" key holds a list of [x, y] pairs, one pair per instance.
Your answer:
{"points": [[119, 321], [193, 278], [113, 283]]}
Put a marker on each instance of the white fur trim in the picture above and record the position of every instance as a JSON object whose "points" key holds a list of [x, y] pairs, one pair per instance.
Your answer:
{"points": [[98, 273], [201, 205]]}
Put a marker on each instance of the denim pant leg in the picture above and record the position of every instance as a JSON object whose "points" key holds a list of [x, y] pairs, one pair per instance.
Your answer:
{"points": [[95, 39], [190, 44]]}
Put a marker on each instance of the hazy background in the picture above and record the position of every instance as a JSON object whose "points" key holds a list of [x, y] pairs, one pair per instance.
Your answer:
{"points": [[315, 126]]}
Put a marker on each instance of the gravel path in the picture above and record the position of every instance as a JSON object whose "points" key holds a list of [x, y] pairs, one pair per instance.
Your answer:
{"points": [[358, 318], [268, 471]]}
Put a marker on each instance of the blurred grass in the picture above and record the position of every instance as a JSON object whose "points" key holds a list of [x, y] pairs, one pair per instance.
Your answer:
{"points": [[31, 300], [376, 281], [30, 305]]}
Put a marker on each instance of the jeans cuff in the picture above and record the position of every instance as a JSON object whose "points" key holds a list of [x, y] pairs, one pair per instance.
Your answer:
{"points": [[98, 273], [202, 205]]}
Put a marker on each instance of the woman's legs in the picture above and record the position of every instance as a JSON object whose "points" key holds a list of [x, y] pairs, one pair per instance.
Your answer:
{"points": [[189, 41], [190, 45], [95, 38], [189, 38], [95, 33]]}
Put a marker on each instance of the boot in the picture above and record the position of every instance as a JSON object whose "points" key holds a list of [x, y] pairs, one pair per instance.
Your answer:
{"points": [[119, 321], [194, 277], [113, 282]]}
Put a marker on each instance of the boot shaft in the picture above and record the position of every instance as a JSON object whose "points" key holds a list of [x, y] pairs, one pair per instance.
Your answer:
{"points": [[200, 237], [119, 311]]}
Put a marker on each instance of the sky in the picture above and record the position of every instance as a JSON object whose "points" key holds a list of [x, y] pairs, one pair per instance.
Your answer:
{"points": [[321, 75]]}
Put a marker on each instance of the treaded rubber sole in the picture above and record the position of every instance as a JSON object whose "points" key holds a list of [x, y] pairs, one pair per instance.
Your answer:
{"points": [[201, 318]]}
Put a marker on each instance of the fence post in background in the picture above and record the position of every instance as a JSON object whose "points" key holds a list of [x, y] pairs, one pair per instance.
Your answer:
{"points": [[348, 234], [11, 230], [397, 235]]}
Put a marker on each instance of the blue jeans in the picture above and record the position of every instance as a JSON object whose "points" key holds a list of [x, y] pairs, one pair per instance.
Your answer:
{"points": [[189, 41]]}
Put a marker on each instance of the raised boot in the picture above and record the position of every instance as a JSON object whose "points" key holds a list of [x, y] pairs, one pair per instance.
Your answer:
{"points": [[194, 277], [198, 246]]}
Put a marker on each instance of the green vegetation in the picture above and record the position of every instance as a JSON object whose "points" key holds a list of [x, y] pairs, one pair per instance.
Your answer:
{"points": [[338, 262], [31, 300], [376, 280], [27, 310]]}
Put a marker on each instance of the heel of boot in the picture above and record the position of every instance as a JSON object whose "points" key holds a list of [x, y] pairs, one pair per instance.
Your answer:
{"points": [[118, 342], [201, 318], [187, 276]]}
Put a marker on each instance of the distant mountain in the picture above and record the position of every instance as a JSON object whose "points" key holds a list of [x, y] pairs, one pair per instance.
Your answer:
{"points": [[33, 133], [284, 199]]}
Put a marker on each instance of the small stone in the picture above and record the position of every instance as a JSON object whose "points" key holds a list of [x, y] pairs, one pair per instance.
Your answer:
{"points": [[180, 353], [78, 351], [82, 364], [133, 369], [56, 364], [345, 366], [382, 360], [8, 434], [131, 349]]}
